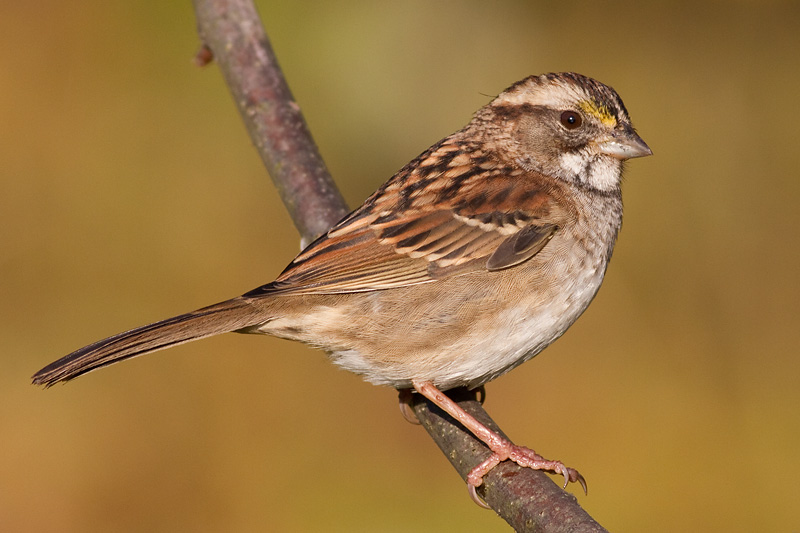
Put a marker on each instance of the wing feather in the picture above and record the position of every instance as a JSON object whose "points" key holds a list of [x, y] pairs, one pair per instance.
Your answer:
{"points": [[416, 229]]}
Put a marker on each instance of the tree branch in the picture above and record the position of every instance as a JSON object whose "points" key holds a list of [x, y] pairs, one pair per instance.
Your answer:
{"points": [[231, 30]]}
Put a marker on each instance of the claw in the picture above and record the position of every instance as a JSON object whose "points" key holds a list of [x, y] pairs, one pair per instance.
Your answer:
{"points": [[404, 396], [481, 394], [476, 497], [571, 476], [583, 484]]}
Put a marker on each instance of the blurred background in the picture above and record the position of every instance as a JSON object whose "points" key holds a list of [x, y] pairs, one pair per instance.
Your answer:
{"points": [[131, 192]]}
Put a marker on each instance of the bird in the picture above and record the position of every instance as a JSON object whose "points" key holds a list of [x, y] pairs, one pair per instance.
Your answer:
{"points": [[469, 261]]}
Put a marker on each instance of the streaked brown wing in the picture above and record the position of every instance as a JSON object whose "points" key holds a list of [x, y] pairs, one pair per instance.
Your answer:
{"points": [[428, 223], [412, 250], [354, 262]]}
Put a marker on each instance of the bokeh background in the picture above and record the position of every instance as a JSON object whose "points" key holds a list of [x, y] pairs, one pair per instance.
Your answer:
{"points": [[130, 192]]}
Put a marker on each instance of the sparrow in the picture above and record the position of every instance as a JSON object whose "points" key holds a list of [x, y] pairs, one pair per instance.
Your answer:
{"points": [[469, 261]]}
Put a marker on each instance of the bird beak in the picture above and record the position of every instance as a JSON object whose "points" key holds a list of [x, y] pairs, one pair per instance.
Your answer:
{"points": [[624, 145]]}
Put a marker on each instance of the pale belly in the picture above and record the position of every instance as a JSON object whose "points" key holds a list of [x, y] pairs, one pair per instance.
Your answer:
{"points": [[491, 347]]}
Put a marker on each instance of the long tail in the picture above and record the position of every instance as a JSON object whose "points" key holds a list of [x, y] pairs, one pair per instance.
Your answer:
{"points": [[223, 317]]}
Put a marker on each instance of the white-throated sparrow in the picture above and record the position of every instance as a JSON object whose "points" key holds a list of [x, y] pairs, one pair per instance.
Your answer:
{"points": [[469, 261]]}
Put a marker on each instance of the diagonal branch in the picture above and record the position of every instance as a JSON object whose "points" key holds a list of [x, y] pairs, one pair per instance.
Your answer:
{"points": [[232, 33]]}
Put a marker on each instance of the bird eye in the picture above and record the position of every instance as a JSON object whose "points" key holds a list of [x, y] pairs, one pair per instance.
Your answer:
{"points": [[571, 120]]}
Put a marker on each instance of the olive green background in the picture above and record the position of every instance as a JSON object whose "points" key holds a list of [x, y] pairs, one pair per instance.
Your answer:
{"points": [[129, 192]]}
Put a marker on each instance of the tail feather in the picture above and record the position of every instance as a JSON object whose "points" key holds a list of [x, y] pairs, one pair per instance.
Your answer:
{"points": [[224, 317]]}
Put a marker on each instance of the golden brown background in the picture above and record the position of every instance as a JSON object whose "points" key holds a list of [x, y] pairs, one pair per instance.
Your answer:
{"points": [[130, 193]]}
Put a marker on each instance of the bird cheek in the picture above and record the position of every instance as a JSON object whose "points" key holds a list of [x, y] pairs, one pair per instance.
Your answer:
{"points": [[572, 162], [531, 138]]}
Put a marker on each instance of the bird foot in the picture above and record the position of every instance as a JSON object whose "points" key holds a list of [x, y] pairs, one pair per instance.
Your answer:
{"points": [[526, 458], [502, 448]]}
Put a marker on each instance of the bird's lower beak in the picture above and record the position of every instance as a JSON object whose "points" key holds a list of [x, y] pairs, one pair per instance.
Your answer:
{"points": [[624, 145]]}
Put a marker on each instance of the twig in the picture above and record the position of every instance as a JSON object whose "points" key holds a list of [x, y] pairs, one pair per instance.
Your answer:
{"points": [[233, 32], [233, 35]]}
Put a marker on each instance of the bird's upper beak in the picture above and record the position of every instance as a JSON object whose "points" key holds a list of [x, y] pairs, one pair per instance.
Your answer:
{"points": [[625, 144]]}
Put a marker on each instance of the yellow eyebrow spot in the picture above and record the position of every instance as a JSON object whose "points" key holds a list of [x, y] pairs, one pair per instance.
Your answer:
{"points": [[598, 111]]}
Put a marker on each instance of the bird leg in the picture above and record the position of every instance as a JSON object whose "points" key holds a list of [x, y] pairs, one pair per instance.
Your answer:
{"points": [[501, 447], [405, 397]]}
